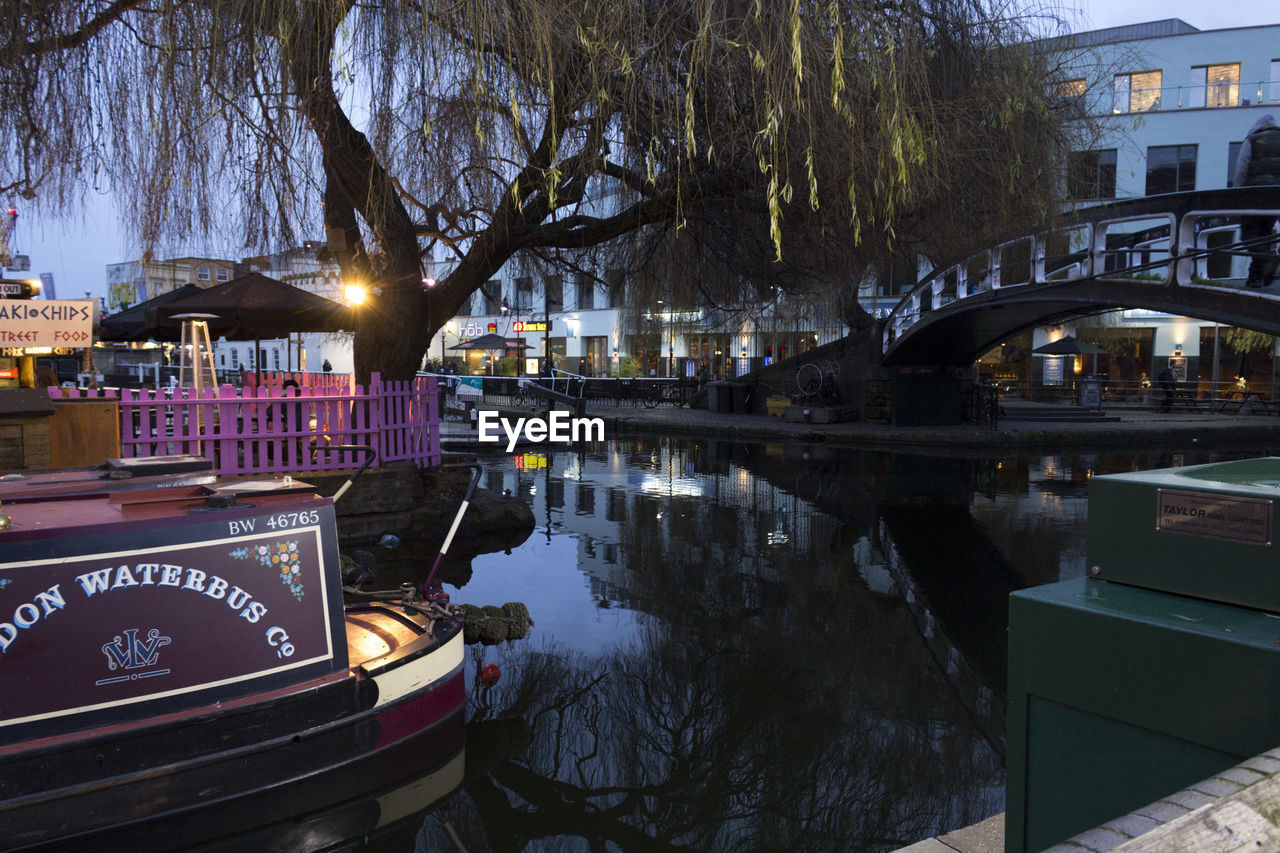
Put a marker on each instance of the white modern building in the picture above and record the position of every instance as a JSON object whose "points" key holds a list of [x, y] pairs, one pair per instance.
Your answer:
{"points": [[579, 324], [1174, 104]]}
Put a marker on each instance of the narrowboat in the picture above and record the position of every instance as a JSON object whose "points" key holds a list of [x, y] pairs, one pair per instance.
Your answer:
{"points": [[175, 650]]}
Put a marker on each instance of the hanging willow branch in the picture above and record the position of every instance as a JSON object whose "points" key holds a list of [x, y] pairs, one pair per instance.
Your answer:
{"points": [[729, 145]]}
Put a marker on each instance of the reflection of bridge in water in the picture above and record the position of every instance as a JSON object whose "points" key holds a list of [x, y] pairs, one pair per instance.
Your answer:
{"points": [[1178, 253], [935, 579]]}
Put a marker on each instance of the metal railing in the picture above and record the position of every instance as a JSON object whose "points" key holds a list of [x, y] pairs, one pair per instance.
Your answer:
{"points": [[595, 391], [1222, 95], [1164, 240]]}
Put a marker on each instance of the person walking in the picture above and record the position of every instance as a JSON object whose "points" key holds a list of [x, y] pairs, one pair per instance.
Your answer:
{"points": [[1259, 165], [1169, 386]]}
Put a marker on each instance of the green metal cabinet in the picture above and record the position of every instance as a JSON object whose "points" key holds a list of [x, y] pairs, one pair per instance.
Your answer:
{"points": [[1159, 670]]}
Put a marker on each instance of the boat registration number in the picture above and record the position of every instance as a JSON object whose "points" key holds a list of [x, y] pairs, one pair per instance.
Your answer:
{"points": [[280, 521]]}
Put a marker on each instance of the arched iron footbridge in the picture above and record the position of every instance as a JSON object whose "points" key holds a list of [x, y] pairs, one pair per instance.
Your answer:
{"points": [[1179, 253]]}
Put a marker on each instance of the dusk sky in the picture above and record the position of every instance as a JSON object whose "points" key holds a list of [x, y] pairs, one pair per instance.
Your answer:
{"points": [[78, 248]]}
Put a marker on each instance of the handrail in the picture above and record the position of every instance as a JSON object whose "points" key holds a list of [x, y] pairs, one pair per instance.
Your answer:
{"points": [[370, 456], [1178, 239]]}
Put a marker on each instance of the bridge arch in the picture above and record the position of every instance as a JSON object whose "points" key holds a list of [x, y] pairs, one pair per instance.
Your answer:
{"points": [[1164, 253]]}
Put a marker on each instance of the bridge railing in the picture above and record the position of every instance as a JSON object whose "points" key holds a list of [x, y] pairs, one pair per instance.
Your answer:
{"points": [[1178, 239]]}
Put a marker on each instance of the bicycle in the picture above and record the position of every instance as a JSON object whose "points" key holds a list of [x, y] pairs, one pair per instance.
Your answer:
{"points": [[523, 397], [657, 392], [818, 379]]}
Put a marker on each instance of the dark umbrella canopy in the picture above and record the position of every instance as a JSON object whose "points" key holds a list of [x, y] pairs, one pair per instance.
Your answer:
{"points": [[140, 322], [255, 307], [490, 342], [1068, 346]]}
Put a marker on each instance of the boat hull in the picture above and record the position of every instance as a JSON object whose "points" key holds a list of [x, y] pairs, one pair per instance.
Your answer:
{"points": [[309, 746], [181, 657]]}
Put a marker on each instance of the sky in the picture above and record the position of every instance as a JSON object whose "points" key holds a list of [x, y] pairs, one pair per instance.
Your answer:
{"points": [[78, 249]]}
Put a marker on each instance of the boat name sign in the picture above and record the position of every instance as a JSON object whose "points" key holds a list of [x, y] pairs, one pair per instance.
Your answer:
{"points": [[159, 621]]}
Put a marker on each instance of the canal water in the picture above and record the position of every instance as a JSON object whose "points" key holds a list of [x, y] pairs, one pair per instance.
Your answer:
{"points": [[744, 647]]}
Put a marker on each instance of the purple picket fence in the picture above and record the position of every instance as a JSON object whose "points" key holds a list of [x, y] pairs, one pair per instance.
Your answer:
{"points": [[260, 431]]}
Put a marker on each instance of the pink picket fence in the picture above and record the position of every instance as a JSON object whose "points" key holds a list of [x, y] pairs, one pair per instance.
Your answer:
{"points": [[276, 378], [261, 431]]}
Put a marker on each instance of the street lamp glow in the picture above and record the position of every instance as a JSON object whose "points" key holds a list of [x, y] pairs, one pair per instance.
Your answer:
{"points": [[355, 294]]}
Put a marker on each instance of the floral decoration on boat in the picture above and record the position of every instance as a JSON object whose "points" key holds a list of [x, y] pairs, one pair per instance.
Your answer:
{"points": [[281, 556]]}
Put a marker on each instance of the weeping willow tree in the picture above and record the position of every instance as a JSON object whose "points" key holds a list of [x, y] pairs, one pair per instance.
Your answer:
{"points": [[722, 145]]}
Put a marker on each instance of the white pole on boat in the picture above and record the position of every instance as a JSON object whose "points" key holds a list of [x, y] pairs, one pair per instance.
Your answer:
{"points": [[431, 589], [370, 456]]}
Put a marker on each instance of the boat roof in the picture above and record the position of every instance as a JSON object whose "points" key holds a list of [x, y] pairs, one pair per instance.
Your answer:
{"points": [[47, 511]]}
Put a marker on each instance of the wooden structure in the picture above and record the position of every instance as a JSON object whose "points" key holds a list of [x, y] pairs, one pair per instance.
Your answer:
{"points": [[264, 431]]}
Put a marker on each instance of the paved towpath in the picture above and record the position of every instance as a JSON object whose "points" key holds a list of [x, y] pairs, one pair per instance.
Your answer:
{"points": [[1135, 426]]}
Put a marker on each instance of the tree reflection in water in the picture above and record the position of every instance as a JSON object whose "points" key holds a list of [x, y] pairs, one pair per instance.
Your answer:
{"points": [[771, 703], [784, 689], [726, 743]]}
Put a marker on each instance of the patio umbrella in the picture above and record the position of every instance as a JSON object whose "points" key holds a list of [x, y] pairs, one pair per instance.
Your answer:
{"points": [[141, 322], [1068, 346], [491, 343], [253, 307]]}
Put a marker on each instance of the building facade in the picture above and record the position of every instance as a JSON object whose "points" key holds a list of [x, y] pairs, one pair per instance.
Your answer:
{"points": [[1173, 104]]}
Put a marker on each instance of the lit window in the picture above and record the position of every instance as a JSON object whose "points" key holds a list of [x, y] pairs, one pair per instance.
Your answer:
{"points": [[1069, 96], [1171, 169], [1072, 88], [1215, 86], [202, 273], [1137, 93], [1091, 174]]}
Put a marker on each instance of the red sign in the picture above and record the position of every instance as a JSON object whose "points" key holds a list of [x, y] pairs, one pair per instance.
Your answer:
{"points": [[531, 326], [493, 327]]}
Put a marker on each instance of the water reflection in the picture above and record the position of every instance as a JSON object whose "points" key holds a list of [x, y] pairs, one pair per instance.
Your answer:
{"points": [[759, 646]]}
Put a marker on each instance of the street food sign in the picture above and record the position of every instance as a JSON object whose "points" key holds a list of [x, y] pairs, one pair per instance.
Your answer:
{"points": [[46, 322]]}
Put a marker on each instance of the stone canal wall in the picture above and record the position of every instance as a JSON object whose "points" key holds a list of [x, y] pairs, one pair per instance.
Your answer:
{"points": [[411, 504]]}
